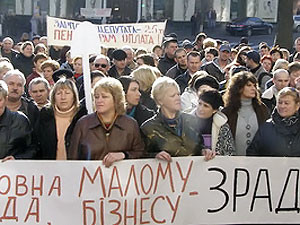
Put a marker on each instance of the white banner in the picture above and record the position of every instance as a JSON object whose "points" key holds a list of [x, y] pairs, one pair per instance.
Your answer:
{"points": [[226, 190], [146, 35]]}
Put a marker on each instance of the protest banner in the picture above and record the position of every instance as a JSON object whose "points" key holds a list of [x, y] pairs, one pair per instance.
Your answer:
{"points": [[137, 35], [189, 190]]}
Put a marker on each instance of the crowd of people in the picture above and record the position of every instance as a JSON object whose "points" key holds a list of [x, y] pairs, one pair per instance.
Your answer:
{"points": [[204, 97]]}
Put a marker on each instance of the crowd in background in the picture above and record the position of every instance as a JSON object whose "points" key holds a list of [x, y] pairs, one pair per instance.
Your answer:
{"points": [[204, 97]]}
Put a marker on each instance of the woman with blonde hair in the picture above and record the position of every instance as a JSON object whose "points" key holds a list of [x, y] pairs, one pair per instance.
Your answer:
{"points": [[171, 133], [107, 134], [145, 77], [57, 120]]}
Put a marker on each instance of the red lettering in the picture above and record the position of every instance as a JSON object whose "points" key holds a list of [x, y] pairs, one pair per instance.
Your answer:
{"points": [[143, 211], [92, 180], [35, 213], [5, 216], [173, 208], [134, 212], [55, 186], [21, 182], [115, 211], [115, 173], [39, 188], [85, 208], [8, 184], [152, 210], [132, 174], [142, 179], [160, 171]]}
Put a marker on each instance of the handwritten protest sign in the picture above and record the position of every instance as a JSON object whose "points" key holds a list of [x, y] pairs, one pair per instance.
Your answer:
{"points": [[146, 35], [188, 190]]}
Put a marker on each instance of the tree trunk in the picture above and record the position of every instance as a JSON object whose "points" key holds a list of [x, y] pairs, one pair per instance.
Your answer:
{"points": [[284, 36]]}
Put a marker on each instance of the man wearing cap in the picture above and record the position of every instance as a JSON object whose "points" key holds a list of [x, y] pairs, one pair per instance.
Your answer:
{"points": [[7, 49], [119, 68], [253, 63], [167, 61], [181, 66], [216, 67]]}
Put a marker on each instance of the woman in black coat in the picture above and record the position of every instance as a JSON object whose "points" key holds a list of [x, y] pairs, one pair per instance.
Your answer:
{"points": [[58, 120], [133, 106], [24, 60], [280, 135]]}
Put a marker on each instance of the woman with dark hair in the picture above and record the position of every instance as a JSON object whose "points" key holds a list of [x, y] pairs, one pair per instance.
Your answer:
{"points": [[244, 109], [57, 120], [134, 108], [107, 134], [213, 123], [280, 135]]}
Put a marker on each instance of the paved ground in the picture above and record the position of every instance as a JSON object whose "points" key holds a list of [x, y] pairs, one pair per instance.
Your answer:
{"points": [[183, 30]]}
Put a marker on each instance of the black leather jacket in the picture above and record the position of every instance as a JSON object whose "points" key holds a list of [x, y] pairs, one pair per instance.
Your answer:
{"points": [[16, 136]]}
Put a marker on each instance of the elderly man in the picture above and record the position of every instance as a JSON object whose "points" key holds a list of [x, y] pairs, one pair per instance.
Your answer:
{"points": [[15, 131], [130, 57], [15, 81], [7, 49], [281, 79], [39, 89], [101, 63], [119, 68]]}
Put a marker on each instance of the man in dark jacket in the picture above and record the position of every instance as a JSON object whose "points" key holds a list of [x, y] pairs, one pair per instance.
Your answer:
{"points": [[15, 81], [216, 67], [253, 63], [7, 49], [281, 79], [193, 65], [15, 131], [119, 68], [180, 67], [167, 61]]}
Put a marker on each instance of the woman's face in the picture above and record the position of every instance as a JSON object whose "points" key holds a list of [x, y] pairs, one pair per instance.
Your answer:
{"points": [[286, 106], [28, 51], [133, 94], [104, 102], [204, 109], [249, 91], [267, 64], [48, 72], [64, 99], [78, 66], [171, 102]]}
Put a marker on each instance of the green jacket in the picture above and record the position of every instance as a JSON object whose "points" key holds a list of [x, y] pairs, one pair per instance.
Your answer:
{"points": [[159, 136]]}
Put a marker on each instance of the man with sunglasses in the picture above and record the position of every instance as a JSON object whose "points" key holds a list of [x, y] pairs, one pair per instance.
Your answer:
{"points": [[101, 63]]}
